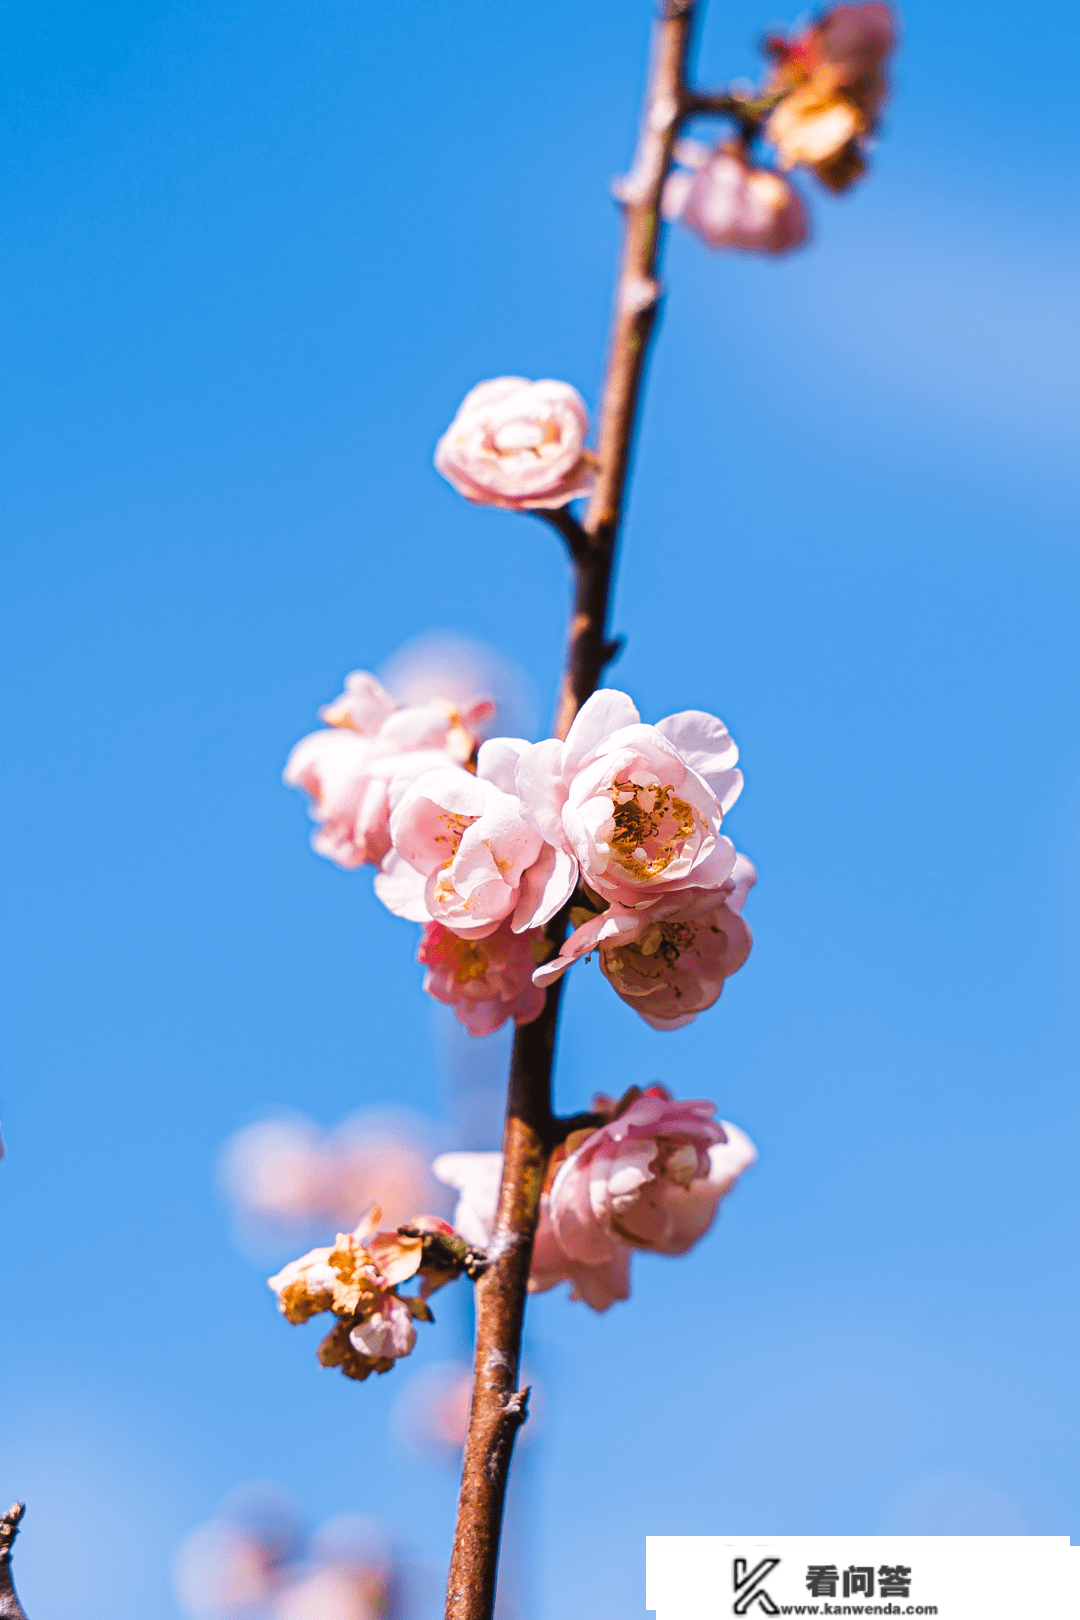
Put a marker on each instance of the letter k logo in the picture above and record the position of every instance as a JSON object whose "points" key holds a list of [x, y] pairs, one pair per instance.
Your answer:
{"points": [[748, 1586]]}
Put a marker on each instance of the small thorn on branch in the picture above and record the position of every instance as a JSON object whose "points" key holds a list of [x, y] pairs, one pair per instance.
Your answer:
{"points": [[613, 649], [10, 1607]]}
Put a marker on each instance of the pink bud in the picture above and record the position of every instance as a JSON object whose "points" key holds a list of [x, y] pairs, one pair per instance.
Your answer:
{"points": [[518, 444], [731, 203]]}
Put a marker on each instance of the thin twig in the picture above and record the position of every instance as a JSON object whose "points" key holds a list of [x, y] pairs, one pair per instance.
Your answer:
{"points": [[637, 297], [531, 1132], [10, 1607], [562, 519]]}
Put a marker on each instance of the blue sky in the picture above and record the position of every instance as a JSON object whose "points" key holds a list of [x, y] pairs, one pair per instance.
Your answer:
{"points": [[253, 255]]}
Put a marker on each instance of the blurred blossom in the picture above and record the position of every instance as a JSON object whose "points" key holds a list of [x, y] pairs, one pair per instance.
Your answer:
{"points": [[518, 444], [833, 81], [287, 1178], [233, 1565], [453, 669], [431, 1414], [730, 202], [348, 1571]]}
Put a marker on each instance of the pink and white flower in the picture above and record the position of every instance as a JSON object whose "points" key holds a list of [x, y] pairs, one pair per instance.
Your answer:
{"points": [[669, 961], [732, 203], [518, 444], [648, 1178], [486, 981], [348, 770], [651, 1178], [475, 859], [637, 807]]}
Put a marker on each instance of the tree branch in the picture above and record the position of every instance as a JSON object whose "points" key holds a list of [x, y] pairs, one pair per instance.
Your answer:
{"points": [[531, 1132], [10, 1607]]}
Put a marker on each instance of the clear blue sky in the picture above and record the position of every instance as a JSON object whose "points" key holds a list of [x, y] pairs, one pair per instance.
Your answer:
{"points": [[251, 256]]}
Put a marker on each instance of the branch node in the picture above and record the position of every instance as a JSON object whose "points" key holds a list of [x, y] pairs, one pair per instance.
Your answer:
{"points": [[517, 1405], [613, 649]]}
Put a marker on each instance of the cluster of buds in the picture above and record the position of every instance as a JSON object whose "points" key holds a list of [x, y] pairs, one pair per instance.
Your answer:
{"points": [[817, 109], [648, 1176], [485, 847], [359, 1279]]}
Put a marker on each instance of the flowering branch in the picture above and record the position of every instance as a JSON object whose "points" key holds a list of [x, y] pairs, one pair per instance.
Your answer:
{"points": [[10, 1607], [519, 858], [498, 1406]]}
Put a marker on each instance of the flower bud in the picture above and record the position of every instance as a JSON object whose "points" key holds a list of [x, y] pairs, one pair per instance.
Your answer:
{"points": [[518, 444], [732, 203]]}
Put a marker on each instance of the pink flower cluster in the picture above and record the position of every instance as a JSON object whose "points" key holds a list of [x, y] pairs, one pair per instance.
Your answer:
{"points": [[485, 846], [649, 1178], [824, 96]]}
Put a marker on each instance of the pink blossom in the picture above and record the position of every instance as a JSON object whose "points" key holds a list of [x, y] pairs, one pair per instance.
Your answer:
{"points": [[650, 1178], [388, 1330], [349, 770], [646, 1178], [637, 807], [518, 444], [486, 981], [479, 859], [731, 203], [668, 960]]}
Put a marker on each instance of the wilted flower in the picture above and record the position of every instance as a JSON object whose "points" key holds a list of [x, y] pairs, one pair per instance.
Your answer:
{"points": [[637, 807], [732, 203], [518, 444], [486, 981], [476, 857], [357, 1279], [349, 770], [668, 960], [650, 1178], [834, 78]]}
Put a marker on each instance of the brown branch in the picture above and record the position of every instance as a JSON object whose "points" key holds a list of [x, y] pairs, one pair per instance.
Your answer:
{"points": [[637, 298], [531, 1132], [10, 1607]]}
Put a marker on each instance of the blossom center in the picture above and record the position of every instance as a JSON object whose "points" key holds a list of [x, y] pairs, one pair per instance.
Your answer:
{"points": [[513, 437], [470, 960], [455, 830], [651, 824]]}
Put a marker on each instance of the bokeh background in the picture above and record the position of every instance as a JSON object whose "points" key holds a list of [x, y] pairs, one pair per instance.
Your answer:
{"points": [[251, 257]]}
